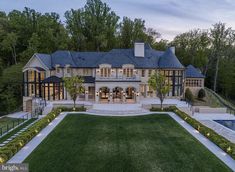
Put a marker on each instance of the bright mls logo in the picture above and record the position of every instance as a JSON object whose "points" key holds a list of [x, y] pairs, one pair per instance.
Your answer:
{"points": [[14, 168]]}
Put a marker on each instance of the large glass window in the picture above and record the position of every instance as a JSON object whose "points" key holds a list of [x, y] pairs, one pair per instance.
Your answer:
{"points": [[143, 73], [175, 80]]}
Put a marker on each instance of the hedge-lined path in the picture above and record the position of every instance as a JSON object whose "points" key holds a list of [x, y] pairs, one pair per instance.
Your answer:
{"points": [[29, 147], [25, 151], [16, 134]]}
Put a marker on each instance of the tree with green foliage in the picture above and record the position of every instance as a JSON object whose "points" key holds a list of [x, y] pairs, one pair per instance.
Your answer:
{"points": [[189, 96], [11, 88], [94, 25], [158, 82], [193, 48], [9, 44], [74, 86], [135, 30], [221, 38], [201, 93]]}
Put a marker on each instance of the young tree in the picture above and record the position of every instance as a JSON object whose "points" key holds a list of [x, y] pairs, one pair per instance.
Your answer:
{"points": [[158, 82], [189, 96], [74, 86]]}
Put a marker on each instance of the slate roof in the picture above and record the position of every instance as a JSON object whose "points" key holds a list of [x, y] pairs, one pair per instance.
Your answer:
{"points": [[89, 79], [51, 79], [192, 72], [169, 60], [116, 58], [55, 79]]}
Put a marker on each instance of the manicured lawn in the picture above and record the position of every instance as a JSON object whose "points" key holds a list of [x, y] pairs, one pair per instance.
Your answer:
{"points": [[115, 144]]}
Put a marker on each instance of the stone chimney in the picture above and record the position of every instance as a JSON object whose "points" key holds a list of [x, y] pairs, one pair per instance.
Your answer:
{"points": [[139, 49], [172, 49]]}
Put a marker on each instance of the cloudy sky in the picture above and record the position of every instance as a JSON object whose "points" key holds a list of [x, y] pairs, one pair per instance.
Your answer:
{"points": [[169, 17]]}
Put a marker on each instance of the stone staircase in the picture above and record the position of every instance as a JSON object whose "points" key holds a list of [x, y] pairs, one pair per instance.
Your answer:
{"points": [[186, 110], [115, 112], [117, 109], [48, 108]]}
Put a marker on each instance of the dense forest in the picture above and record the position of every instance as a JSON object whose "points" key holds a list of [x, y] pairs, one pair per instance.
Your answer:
{"points": [[95, 27]]}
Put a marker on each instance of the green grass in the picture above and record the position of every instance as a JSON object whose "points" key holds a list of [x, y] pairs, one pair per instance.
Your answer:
{"points": [[2, 139], [115, 144]]}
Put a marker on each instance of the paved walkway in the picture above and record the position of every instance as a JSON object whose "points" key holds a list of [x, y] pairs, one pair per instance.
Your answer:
{"points": [[25, 151], [220, 129], [17, 115], [20, 156]]}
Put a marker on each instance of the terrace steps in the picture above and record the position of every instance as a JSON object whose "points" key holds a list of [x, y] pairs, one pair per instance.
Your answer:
{"points": [[116, 112]]}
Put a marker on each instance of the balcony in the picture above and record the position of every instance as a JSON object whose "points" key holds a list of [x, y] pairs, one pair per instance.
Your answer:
{"points": [[118, 78]]}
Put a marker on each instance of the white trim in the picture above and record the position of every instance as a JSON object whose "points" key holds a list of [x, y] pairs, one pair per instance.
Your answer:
{"points": [[34, 56]]}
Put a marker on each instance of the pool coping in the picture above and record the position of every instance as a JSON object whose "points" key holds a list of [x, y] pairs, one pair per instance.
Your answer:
{"points": [[20, 156], [233, 131]]}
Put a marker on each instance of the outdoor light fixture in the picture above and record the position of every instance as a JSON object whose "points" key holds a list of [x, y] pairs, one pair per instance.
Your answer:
{"points": [[208, 134], [137, 93], [97, 93], [86, 92], [229, 149]]}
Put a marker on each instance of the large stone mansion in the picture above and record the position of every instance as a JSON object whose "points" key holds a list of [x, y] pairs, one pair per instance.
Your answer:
{"points": [[120, 75]]}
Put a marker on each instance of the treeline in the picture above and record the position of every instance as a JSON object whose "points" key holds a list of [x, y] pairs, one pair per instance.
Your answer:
{"points": [[95, 27], [213, 52]]}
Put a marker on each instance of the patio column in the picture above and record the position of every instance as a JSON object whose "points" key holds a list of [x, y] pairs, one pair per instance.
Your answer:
{"points": [[110, 97], [137, 97], [97, 93], [145, 90], [86, 93]]}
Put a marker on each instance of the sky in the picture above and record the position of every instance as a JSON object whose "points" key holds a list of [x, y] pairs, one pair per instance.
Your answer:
{"points": [[168, 17]]}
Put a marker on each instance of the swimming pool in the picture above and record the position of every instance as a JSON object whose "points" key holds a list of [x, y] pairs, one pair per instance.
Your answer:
{"points": [[227, 123]]}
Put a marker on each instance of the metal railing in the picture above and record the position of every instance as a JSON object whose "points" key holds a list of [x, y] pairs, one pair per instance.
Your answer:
{"points": [[230, 108], [9, 126], [117, 78]]}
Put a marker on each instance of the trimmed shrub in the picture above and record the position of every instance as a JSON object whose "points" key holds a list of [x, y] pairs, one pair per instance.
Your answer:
{"points": [[219, 140], [189, 95], [11, 148], [201, 94], [77, 109]]}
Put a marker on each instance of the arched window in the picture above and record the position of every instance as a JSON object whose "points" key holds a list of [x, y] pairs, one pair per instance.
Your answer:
{"points": [[105, 72], [128, 72]]}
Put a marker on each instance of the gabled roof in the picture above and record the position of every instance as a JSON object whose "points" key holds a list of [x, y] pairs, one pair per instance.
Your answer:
{"points": [[116, 58], [45, 58], [192, 72], [169, 60]]}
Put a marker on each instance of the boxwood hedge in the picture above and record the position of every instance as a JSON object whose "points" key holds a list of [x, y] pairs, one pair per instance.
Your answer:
{"points": [[219, 140], [11, 148]]}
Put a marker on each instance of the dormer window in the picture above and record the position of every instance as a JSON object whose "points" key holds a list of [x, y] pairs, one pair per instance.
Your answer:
{"points": [[128, 70], [57, 67], [68, 69], [105, 72]]}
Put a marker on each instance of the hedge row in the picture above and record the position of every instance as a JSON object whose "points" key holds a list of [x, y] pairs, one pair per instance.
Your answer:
{"points": [[219, 140], [11, 148]]}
